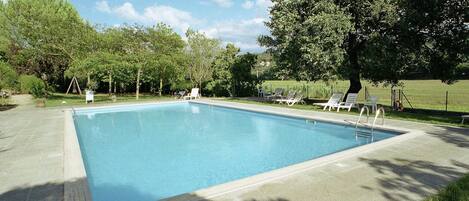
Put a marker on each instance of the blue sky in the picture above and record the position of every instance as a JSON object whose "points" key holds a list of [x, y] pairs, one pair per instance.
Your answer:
{"points": [[235, 21]]}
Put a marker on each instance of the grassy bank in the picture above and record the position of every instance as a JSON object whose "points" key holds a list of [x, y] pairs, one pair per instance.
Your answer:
{"points": [[59, 99], [423, 94]]}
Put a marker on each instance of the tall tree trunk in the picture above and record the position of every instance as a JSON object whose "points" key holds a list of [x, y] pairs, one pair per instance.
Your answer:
{"points": [[161, 87], [110, 84], [355, 68], [138, 83], [88, 81]]}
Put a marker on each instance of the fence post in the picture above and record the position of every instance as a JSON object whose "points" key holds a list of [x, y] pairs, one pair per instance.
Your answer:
{"points": [[446, 102], [366, 93]]}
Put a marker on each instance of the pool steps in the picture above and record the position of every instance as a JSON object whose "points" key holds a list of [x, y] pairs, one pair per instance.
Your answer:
{"points": [[359, 132]]}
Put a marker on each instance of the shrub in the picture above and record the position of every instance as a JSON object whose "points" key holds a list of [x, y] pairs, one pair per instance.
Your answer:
{"points": [[7, 76], [33, 85]]}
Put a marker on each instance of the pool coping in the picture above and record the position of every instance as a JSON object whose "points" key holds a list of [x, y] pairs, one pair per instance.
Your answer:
{"points": [[74, 169]]}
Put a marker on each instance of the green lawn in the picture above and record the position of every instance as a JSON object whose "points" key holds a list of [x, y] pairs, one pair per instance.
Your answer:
{"points": [[423, 94], [59, 99], [456, 191], [420, 116]]}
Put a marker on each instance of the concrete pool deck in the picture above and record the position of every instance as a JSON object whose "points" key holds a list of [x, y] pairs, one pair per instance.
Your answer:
{"points": [[32, 149]]}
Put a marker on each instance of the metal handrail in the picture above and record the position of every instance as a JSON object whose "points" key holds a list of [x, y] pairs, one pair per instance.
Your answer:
{"points": [[361, 114], [378, 112]]}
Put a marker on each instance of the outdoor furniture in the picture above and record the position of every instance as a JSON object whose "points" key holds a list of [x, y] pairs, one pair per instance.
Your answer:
{"points": [[277, 93], [372, 102], [260, 92], [332, 103], [193, 95], [89, 96], [4, 94], [289, 97], [464, 117], [180, 94], [298, 99], [350, 102]]}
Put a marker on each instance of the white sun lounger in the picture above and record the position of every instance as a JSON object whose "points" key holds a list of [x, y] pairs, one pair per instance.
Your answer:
{"points": [[277, 93], [332, 103], [193, 95], [350, 102], [290, 97], [298, 99]]}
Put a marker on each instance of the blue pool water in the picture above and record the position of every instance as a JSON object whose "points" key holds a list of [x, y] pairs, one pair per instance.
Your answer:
{"points": [[152, 152]]}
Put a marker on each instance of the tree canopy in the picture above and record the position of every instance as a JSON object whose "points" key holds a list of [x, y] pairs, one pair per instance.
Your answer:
{"points": [[379, 40]]}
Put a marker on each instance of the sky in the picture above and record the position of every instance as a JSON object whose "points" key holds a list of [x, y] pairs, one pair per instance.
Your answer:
{"points": [[235, 21]]}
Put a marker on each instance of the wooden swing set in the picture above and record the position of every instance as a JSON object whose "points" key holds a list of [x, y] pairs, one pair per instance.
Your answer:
{"points": [[75, 85]]}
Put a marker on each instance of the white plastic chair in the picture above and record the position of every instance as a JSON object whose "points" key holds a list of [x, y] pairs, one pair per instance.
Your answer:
{"points": [[333, 102], [193, 95], [89, 96], [372, 101], [350, 102], [277, 93]]}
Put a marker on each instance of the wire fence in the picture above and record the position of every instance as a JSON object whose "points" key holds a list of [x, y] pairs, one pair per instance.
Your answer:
{"points": [[428, 97]]}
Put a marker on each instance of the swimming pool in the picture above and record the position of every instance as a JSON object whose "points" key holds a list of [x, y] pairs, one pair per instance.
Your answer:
{"points": [[157, 151]]}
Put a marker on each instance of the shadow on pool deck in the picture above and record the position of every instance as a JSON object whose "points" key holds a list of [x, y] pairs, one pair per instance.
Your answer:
{"points": [[401, 176], [453, 135], [55, 192]]}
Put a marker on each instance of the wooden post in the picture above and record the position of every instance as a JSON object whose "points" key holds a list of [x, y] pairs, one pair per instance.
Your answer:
{"points": [[446, 102]]}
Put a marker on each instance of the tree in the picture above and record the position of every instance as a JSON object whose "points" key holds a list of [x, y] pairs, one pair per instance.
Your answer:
{"points": [[202, 52], [44, 36], [222, 82], [380, 40], [307, 38], [167, 61], [136, 51], [244, 82]]}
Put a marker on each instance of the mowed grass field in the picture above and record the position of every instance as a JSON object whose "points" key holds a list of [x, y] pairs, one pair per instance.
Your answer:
{"points": [[422, 94]]}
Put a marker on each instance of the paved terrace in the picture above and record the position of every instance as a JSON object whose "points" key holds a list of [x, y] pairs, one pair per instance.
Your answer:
{"points": [[31, 162]]}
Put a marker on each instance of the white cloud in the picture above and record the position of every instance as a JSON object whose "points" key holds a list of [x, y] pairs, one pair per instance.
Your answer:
{"points": [[264, 3], [242, 33], [169, 15], [103, 6], [128, 11], [178, 19], [223, 3], [248, 4]]}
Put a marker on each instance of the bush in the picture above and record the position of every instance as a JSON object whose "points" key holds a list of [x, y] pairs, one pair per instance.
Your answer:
{"points": [[33, 85], [7, 76]]}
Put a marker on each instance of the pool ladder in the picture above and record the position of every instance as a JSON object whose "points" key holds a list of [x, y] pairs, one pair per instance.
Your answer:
{"points": [[359, 132]]}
